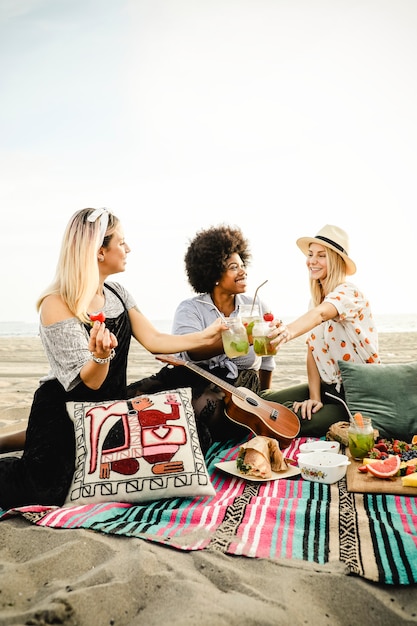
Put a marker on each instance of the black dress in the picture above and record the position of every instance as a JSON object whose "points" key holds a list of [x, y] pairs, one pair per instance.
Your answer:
{"points": [[44, 472]]}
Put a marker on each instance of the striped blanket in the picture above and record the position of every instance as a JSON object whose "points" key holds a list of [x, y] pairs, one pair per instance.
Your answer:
{"points": [[374, 536]]}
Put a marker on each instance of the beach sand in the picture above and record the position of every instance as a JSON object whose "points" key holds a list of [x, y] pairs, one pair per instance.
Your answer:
{"points": [[79, 577]]}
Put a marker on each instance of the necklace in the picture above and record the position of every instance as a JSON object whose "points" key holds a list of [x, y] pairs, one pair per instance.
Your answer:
{"points": [[221, 314], [221, 308]]}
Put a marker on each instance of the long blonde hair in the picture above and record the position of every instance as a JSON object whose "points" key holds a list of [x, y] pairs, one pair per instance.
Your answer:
{"points": [[336, 274], [77, 275]]}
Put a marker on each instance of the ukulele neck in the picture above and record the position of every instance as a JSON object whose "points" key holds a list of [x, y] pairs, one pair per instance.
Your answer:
{"points": [[237, 391]]}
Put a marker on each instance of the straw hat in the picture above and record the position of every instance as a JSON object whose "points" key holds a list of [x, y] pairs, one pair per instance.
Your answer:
{"points": [[334, 238]]}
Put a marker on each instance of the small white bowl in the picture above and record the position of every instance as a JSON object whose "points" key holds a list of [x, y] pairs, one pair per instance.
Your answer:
{"points": [[320, 446], [323, 467]]}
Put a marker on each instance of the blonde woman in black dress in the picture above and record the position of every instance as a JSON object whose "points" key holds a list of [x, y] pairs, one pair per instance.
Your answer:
{"points": [[87, 361]]}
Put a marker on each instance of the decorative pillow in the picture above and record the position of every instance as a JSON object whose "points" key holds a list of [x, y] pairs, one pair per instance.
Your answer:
{"points": [[385, 393], [144, 448]]}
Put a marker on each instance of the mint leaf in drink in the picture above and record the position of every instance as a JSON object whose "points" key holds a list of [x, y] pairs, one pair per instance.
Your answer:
{"points": [[241, 346]]}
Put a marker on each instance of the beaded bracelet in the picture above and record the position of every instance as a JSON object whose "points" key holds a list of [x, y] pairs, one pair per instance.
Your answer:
{"points": [[111, 356]]}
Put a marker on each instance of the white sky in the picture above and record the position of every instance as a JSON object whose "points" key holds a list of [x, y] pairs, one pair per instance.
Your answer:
{"points": [[275, 115]]}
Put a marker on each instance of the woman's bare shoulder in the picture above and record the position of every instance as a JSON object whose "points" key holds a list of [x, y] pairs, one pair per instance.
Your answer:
{"points": [[54, 310]]}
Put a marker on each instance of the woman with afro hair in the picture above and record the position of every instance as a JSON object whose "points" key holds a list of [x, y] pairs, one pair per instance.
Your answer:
{"points": [[215, 264]]}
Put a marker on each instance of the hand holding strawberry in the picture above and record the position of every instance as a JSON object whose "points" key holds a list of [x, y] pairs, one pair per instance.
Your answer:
{"points": [[102, 341], [97, 317]]}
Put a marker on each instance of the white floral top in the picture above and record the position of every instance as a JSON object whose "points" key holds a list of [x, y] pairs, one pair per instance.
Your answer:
{"points": [[351, 336]]}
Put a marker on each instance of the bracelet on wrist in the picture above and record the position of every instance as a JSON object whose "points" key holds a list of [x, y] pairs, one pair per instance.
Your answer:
{"points": [[111, 356]]}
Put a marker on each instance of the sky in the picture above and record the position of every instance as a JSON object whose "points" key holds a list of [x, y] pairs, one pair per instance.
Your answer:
{"points": [[277, 116]]}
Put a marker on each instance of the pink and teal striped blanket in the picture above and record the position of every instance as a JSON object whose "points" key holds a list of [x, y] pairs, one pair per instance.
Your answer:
{"points": [[374, 536]]}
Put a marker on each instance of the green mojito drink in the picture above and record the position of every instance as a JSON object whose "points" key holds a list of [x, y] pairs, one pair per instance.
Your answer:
{"points": [[262, 346], [235, 339], [361, 440], [261, 342], [249, 314]]}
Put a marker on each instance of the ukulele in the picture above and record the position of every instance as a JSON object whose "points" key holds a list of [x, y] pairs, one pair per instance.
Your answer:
{"points": [[246, 408]]}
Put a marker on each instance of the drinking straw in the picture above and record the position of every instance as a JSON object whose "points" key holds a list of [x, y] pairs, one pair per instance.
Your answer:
{"points": [[357, 419], [212, 304], [351, 419], [256, 293]]}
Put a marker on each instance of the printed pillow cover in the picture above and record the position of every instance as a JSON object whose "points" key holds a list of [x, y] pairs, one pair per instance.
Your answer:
{"points": [[144, 448], [385, 393]]}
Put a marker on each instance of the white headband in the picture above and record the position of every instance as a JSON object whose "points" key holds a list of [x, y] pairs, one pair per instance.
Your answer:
{"points": [[103, 214]]}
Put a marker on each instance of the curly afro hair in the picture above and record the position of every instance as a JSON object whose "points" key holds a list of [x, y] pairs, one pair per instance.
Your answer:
{"points": [[206, 256]]}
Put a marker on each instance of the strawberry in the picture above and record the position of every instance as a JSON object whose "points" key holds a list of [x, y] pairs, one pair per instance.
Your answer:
{"points": [[268, 317], [399, 446], [363, 469], [97, 317]]}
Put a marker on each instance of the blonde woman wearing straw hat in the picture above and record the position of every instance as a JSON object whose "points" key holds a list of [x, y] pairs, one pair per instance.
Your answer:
{"points": [[340, 327]]}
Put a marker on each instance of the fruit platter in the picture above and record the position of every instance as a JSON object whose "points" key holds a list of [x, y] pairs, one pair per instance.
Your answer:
{"points": [[389, 467]]}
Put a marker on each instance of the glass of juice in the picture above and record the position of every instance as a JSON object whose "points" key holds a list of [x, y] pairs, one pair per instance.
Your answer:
{"points": [[261, 342], [249, 314], [361, 439], [235, 338]]}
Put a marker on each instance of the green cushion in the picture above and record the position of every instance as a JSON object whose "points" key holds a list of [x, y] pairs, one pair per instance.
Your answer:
{"points": [[385, 393]]}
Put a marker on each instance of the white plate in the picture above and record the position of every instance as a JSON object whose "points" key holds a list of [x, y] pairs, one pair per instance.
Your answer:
{"points": [[230, 468]]}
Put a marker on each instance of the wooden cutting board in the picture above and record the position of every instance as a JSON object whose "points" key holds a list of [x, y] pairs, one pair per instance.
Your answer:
{"points": [[366, 483]]}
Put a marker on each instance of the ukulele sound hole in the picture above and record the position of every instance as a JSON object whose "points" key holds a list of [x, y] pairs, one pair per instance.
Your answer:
{"points": [[252, 401]]}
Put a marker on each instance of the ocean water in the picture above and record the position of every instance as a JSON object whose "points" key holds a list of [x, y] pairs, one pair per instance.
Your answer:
{"points": [[398, 323]]}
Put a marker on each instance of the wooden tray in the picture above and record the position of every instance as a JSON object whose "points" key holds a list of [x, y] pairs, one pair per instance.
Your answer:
{"points": [[366, 483]]}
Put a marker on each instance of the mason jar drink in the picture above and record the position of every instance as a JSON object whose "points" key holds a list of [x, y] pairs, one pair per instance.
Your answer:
{"points": [[361, 438], [249, 314], [261, 342], [235, 338]]}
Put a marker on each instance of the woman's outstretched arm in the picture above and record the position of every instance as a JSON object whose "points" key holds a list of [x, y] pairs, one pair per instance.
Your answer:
{"points": [[12, 442]]}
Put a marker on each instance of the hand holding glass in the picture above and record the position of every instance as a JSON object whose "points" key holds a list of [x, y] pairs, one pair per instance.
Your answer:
{"points": [[235, 339]]}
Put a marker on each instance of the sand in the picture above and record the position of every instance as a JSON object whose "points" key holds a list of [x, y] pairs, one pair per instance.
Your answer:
{"points": [[79, 577]]}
